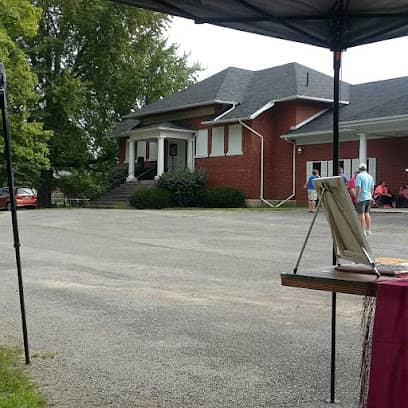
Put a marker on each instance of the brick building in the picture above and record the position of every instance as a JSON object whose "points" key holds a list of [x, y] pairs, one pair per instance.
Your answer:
{"points": [[263, 132]]}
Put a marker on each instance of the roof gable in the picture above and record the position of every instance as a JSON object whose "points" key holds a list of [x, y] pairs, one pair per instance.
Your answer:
{"points": [[371, 100], [248, 90]]}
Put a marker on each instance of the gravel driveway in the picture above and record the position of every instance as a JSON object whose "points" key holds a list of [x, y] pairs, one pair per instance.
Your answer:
{"points": [[131, 308]]}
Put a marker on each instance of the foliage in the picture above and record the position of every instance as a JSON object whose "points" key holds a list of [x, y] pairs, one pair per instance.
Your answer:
{"points": [[221, 197], [18, 19], [79, 185], [153, 197], [183, 185], [15, 388], [96, 61]]}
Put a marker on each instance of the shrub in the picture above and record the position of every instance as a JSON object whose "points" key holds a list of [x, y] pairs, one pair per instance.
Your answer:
{"points": [[183, 186], [153, 197], [221, 197]]}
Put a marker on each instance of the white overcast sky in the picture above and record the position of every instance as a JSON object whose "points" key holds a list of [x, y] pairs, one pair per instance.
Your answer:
{"points": [[217, 48]]}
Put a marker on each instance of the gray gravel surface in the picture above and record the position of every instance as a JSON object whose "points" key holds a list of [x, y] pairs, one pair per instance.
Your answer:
{"points": [[181, 308]]}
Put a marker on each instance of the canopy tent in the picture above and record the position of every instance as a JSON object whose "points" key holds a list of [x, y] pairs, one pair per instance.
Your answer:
{"points": [[333, 24]]}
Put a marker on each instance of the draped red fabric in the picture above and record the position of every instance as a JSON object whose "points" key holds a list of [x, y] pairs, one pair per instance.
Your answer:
{"points": [[388, 384]]}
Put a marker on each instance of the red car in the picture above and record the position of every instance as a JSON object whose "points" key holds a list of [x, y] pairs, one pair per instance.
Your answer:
{"points": [[25, 197]]}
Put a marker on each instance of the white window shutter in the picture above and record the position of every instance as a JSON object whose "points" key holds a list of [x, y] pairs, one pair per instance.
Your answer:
{"points": [[329, 168], [309, 169], [354, 165], [347, 168], [323, 169], [372, 167], [202, 143]]}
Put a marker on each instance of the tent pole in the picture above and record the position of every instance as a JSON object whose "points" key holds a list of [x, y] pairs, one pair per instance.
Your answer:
{"points": [[7, 153], [335, 172]]}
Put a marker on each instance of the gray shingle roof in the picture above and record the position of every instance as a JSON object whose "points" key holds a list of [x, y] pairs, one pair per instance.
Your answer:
{"points": [[125, 125], [285, 81], [250, 90], [367, 101], [228, 85]]}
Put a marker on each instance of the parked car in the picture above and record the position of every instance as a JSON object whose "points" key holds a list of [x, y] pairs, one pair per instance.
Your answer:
{"points": [[25, 197]]}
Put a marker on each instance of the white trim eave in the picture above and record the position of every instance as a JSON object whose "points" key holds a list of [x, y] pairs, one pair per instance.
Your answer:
{"points": [[270, 105], [352, 125], [310, 98], [180, 107], [375, 121], [306, 121], [157, 132], [264, 108], [213, 122]]}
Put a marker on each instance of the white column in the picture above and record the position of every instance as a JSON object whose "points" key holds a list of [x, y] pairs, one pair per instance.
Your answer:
{"points": [[160, 156], [190, 150], [363, 148], [131, 176]]}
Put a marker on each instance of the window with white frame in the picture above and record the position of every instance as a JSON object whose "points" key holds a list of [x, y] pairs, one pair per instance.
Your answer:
{"points": [[141, 149], [217, 141], [349, 166], [152, 150], [202, 143], [234, 140]]}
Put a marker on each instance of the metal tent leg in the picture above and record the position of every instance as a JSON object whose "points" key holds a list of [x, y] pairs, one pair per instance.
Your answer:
{"points": [[7, 153]]}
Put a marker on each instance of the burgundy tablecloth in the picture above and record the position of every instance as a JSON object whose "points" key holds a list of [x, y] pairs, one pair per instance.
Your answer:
{"points": [[388, 386]]}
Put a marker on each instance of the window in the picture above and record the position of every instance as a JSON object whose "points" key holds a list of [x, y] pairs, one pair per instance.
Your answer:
{"points": [[141, 149], [217, 142], [349, 166], [202, 143], [152, 150], [234, 140]]}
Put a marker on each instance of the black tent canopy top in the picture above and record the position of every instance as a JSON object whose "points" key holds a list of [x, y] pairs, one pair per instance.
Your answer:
{"points": [[334, 24]]}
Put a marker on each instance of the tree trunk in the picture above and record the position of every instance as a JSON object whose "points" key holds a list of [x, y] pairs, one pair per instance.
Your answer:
{"points": [[45, 189]]}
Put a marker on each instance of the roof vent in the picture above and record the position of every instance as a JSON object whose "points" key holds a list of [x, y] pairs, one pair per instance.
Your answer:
{"points": [[307, 79]]}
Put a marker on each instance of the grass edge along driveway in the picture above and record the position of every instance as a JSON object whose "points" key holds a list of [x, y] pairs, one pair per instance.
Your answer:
{"points": [[16, 389]]}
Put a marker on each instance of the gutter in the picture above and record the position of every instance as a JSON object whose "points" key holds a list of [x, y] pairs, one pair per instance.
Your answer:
{"points": [[261, 192], [293, 173]]}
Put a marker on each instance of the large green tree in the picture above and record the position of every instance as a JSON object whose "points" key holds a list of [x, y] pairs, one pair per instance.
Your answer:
{"points": [[19, 20], [96, 61]]}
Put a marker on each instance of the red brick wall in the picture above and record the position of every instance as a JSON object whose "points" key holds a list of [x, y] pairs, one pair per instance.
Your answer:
{"points": [[391, 161], [278, 153], [241, 171], [122, 149]]}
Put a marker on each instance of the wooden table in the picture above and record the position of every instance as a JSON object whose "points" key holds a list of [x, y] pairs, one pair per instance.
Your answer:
{"points": [[330, 280]]}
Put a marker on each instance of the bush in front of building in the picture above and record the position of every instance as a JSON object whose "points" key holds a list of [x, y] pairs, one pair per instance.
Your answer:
{"points": [[221, 197], [153, 197], [183, 185]]}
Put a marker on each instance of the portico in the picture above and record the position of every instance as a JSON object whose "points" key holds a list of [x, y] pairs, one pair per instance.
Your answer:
{"points": [[170, 146]]}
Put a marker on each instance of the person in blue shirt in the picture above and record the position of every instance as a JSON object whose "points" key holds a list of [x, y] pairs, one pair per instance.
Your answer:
{"points": [[364, 187], [345, 178], [311, 191]]}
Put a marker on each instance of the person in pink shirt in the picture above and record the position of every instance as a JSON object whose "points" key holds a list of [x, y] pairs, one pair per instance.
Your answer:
{"points": [[351, 185], [382, 196], [402, 198]]}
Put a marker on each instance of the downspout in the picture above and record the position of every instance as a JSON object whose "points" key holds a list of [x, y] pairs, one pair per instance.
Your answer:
{"points": [[261, 193], [293, 173]]}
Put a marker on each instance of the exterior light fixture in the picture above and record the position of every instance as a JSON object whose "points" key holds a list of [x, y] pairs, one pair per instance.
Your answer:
{"points": [[299, 149]]}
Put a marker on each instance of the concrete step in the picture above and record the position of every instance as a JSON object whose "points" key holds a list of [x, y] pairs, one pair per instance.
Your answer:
{"points": [[120, 195]]}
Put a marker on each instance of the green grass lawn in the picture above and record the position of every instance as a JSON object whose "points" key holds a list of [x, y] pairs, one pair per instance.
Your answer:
{"points": [[16, 390]]}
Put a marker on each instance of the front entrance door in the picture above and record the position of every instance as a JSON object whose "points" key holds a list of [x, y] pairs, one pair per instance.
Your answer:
{"points": [[176, 155]]}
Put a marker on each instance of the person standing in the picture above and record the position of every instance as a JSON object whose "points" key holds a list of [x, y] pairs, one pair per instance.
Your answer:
{"points": [[351, 186], [341, 174], [311, 191], [364, 187]]}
